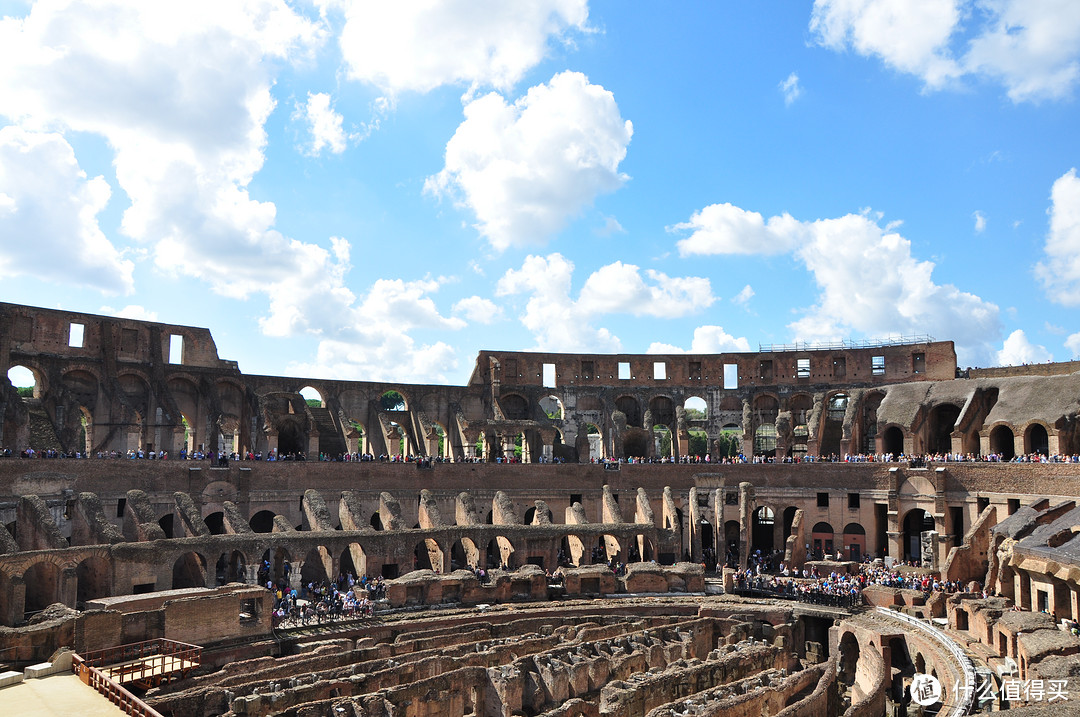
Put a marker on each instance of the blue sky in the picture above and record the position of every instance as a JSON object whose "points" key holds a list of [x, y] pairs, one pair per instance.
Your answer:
{"points": [[377, 191]]}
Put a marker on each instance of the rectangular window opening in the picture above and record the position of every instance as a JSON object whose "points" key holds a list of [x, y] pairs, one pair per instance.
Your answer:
{"points": [[575, 498], [549, 375], [802, 368], [120, 505], [823, 500], [624, 370], [176, 348], [75, 335], [853, 501], [659, 370], [877, 365], [731, 376], [1014, 505]]}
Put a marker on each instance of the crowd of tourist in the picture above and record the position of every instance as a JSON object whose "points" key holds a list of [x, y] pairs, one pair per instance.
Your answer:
{"points": [[345, 598]]}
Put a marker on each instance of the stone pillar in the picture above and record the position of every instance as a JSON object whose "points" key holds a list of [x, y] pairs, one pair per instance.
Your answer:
{"points": [[69, 587], [746, 511], [17, 602]]}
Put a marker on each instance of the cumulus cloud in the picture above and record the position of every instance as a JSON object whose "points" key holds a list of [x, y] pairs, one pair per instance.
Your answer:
{"points": [[131, 311], [727, 229], [1018, 350], [707, 340], [1031, 48], [478, 310], [324, 124], [869, 282], [418, 46], [1059, 272], [744, 296], [561, 323], [790, 89], [622, 288], [980, 221], [1073, 344], [49, 210], [525, 169]]}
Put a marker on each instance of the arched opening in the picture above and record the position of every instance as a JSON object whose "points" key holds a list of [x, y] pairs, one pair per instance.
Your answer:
{"points": [[942, 422], [312, 397], [376, 521], [763, 523], [231, 568], [765, 440], [592, 441], [630, 407], [353, 561], [392, 401], [276, 567], [514, 407], [94, 579], [611, 549], [42, 586], [821, 540], [262, 522], [893, 441], [635, 443], [317, 566], [427, 555], [464, 554], [291, 439], [833, 429], [216, 523], [166, 524], [854, 541], [916, 523], [1003, 442], [789, 520], [189, 571], [801, 406], [662, 441], [731, 543], [552, 407], [1036, 440], [849, 659], [500, 554], [696, 409], [25, 382], [871, 404]]}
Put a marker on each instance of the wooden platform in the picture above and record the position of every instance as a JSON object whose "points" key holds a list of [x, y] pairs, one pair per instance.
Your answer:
{"points": [[150, 671]]}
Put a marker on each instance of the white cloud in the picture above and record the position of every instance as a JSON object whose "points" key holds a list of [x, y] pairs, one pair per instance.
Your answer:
{"points": [[48, 215], [131, 311], [525, 169], [980, 221], [1017, 350], [707, 340], [1032, 47], [727, 229], [561, 323], [478, 310], [611, 227], [744, 296], [324, 124], [418, 46], [790, 89], [557, 322], [1059, 272], [870, 284], [1073, 344], [621, 288]]}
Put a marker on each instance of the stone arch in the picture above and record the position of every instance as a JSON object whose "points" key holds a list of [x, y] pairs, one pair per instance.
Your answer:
{"points": [[762, 529], [23, 375], [231, 567], [276, 565], [464, 553], [552, 406], [500, 551], [801, 406], [388, 401], [942, 421], [318, 566], [631, 408], [764, 411], [832, 427], [854, 541], [612, 547], [44, 585], [662, 409], [292, 438], [789, 520], [696, 403], [427, 555], [215, 522], [821, 539], [1036, 439], [263, 521], [189, 571], [892, 441], [166, 522], [135, 389], [573, 549], [849, 658], [310, 393], [530, 516], [765, 440], [353, 559], [1003, 442], [870, 404], [732, 543], [93, 579], [916, 522]]}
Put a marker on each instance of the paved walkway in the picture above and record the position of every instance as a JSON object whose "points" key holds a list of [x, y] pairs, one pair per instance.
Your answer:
{"points": [[61, 695]]}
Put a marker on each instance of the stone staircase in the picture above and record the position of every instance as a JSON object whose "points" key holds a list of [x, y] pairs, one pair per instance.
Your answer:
{"points": [[42, 435], [331, 441]]}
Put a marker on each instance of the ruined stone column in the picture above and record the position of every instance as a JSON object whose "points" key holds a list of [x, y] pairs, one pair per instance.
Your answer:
{"points": [[746, 511]]}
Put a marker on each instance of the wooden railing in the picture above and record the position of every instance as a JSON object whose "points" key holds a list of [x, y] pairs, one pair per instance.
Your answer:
{"points": [[128, 703], [149, 659]]}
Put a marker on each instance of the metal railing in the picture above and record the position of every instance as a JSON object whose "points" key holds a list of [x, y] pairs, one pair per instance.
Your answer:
{"points": [[149, 659], [845, 344]]}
